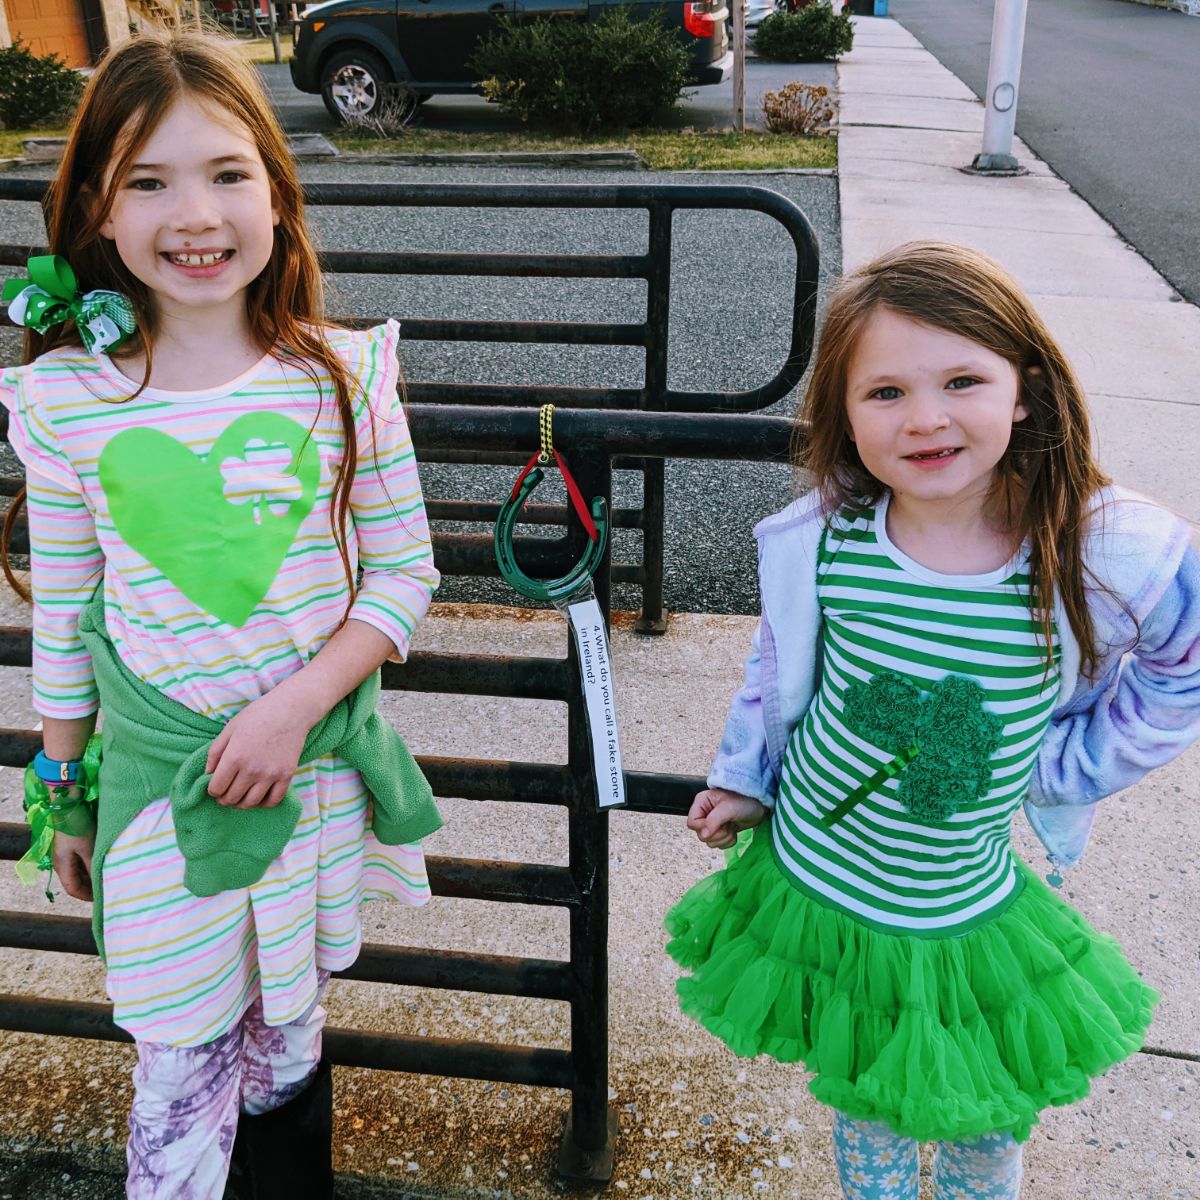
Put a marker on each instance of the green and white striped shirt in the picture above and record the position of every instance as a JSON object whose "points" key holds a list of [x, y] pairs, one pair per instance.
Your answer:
{"points": [[885, 614]]}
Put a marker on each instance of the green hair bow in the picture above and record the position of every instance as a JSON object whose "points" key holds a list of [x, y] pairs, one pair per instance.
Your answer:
{"points": [[50, 295], [49, 811]]}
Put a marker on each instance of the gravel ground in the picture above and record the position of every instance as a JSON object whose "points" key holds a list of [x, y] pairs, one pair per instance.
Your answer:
{"points": [[54, 1175], [730, 312]]}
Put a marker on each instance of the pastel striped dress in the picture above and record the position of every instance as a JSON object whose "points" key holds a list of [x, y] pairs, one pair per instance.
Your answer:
{"points": [[208, 514]]}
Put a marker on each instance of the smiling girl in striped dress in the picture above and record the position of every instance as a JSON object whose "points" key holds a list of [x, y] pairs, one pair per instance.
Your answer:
{"points": [[961, 617], [203, 493]]}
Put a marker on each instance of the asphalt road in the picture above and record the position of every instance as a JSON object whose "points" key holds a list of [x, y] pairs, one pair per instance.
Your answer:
{"points": [[1110, 98], [731, 281]]}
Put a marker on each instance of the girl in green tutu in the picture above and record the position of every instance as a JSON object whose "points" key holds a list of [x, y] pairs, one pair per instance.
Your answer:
{"points": [[962, 617]]}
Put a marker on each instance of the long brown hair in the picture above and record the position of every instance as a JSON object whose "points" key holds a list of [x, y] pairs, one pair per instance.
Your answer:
{"points": [[125, 99], [1047, 479]]}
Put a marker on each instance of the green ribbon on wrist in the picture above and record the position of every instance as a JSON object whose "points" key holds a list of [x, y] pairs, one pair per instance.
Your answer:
{"points": [[65, 808], [50, 295]]}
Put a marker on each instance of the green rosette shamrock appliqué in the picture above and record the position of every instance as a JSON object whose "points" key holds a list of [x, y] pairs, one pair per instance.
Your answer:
{"points": [[942, 742]]}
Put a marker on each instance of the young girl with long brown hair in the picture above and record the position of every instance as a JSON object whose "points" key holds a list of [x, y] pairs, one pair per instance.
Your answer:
{"points": [[961, 616], [209, 467]]}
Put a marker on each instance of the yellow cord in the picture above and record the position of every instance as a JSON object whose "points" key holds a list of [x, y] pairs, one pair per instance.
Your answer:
{"points": [[546, 429]]}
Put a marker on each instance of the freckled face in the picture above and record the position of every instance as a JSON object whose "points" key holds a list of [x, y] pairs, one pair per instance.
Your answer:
{"points": [[931, 413], [194, 218]]}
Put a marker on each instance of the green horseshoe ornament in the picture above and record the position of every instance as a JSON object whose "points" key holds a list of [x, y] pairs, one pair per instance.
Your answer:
{"points": [[595, 523]]}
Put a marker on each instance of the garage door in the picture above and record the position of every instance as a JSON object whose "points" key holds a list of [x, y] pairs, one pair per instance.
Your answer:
{"points": [[50, 27]]}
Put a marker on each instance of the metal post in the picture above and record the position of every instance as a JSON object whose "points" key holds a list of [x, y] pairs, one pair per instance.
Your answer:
{"points": [[589, 1139], [653, 619], [1004, 76], [274, 28], [739, 65]]}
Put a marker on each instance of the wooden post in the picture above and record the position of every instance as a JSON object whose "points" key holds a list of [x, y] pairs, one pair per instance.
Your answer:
{"points": [[739, 65], [274, 28]]}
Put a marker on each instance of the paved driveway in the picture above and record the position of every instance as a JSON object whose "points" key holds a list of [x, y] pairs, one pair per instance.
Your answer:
{"points": [[704, 108]]}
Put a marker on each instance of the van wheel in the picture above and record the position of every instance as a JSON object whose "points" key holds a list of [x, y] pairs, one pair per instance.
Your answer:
{"points": [[354, 83]]}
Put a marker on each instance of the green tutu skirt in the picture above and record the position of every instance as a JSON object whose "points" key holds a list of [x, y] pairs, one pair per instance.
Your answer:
{"points": [[942, 1039]]}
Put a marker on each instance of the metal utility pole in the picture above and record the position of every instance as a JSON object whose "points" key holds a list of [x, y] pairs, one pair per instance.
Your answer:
{"points": [[739, 65], [1004, 76]]}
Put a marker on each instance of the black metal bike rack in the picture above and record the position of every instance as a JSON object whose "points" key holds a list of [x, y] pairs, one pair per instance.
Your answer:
{"points": [[660, 202]]}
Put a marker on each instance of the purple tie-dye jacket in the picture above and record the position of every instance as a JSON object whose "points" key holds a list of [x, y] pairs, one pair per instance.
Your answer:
{"points": [[1139, 709]]}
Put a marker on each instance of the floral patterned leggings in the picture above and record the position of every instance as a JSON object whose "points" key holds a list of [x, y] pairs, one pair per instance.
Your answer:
{"points": [[186, 1100], [876, 1164]]}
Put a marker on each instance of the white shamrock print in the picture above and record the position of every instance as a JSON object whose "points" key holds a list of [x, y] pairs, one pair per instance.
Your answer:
{"points": [[261, 477]]}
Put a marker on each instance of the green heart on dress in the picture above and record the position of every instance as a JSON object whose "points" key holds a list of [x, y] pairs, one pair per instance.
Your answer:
{"points": [[169, 505]]}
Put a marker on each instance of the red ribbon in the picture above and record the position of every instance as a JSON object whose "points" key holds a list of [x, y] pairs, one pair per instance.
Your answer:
{"points": [[577, 500]]}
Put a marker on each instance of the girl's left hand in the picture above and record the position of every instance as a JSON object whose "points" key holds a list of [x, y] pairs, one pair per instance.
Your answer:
{"points": [[253, 759]]}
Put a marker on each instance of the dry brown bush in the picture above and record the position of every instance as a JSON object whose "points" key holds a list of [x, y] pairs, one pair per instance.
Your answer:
{"points": [[799, 108], [391, 117]]}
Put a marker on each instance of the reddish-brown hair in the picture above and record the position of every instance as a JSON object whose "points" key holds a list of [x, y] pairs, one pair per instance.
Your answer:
{"points": [[1048, 477], [124, 101]]}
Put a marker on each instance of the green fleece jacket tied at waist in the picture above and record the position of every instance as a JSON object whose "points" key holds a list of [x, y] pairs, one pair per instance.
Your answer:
{"points": [[154, 747]]}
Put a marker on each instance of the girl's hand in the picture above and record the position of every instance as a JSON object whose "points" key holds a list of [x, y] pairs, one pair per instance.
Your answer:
{"points": [[253, 759], [72, 858], [719, 816]]}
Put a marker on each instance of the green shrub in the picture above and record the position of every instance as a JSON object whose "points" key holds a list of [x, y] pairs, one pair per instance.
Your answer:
{"points": [[805, 36], [577, 76], [35, 91]]}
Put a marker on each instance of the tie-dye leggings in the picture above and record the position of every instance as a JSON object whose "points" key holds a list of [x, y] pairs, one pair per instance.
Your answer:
{"points": [[876, 1164], [186, 1100]]}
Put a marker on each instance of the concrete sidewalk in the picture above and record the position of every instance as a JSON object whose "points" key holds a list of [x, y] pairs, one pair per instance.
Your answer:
{"points": [[696, 1122], [907, 127]]}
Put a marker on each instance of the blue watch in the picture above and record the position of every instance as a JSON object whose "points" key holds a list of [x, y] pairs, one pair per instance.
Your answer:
{"points": [[52, 771]]}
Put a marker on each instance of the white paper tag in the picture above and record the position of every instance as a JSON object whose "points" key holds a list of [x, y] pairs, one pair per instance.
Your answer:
{"points": [[595, 669]]}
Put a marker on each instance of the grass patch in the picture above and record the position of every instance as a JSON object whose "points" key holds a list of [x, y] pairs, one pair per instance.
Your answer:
{"points": [[683, 150], [668, 151], [259, 50], [11, 139]]}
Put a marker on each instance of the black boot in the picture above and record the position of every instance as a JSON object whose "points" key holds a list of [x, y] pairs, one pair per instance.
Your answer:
{"points": [[287, 1154]]}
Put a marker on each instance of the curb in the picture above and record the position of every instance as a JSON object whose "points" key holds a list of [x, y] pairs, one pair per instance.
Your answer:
{"points": [[302, 145], [611, 160], [830, 172]]}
